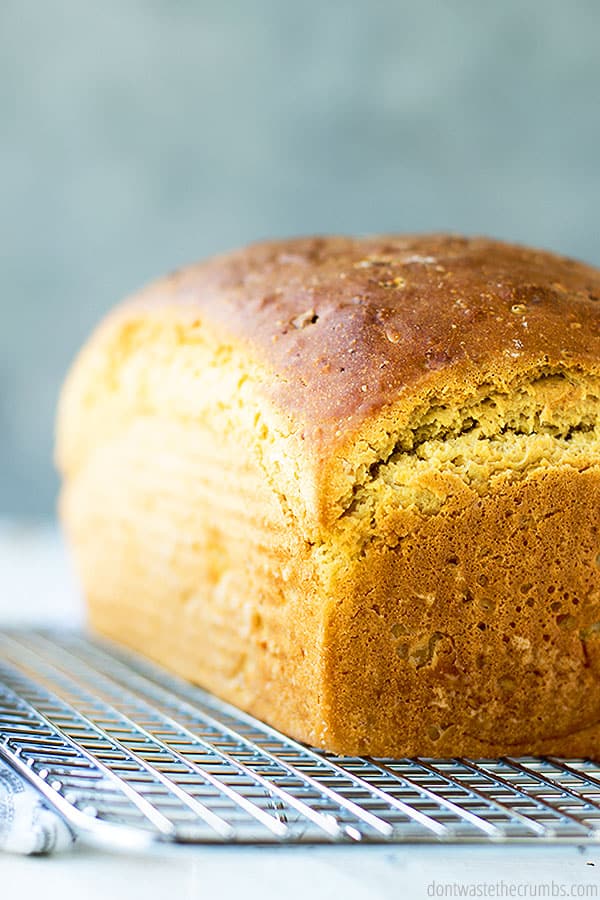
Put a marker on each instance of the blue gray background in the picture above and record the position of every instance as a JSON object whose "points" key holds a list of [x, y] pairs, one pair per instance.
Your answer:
{"points": [[140, 134]]}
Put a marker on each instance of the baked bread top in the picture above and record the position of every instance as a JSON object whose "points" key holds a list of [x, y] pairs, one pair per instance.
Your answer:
{"points": [[366, 348], [349, 324]]}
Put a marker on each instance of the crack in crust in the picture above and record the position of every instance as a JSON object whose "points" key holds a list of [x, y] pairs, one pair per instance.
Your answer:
{"points": [[551, 420]]}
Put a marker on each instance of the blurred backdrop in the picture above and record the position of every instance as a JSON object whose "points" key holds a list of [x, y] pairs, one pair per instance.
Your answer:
{"points": [[140, 134]]}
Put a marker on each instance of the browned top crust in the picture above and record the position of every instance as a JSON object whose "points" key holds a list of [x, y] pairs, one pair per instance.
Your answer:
{"points": [[349, 325]]}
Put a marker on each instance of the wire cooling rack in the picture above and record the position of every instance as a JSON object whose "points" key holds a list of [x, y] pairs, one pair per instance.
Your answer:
{"points": [[131, 755]]}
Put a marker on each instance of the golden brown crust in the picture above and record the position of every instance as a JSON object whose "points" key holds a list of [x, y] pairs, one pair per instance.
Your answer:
{"points": [[353, 486], [477, 629], [349, 324]]}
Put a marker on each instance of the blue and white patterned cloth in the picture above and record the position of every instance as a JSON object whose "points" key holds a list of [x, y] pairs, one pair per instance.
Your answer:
{"points": [[27, 825]]}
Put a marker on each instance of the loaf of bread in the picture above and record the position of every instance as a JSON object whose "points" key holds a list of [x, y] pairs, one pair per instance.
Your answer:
{"points": [[353, 486]]}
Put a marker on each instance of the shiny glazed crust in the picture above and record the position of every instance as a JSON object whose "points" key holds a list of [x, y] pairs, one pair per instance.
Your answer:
{"points": [[353, 486]]}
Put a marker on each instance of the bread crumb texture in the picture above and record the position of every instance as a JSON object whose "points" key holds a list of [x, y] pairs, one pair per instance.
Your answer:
{"points": [[353, 486]]}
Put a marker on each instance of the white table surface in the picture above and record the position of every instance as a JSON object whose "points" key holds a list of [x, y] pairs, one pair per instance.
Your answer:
{"points": [[36, 586]]}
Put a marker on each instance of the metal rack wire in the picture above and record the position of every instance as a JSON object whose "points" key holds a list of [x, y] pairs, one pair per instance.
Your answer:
{"points": [[132, 755]]}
